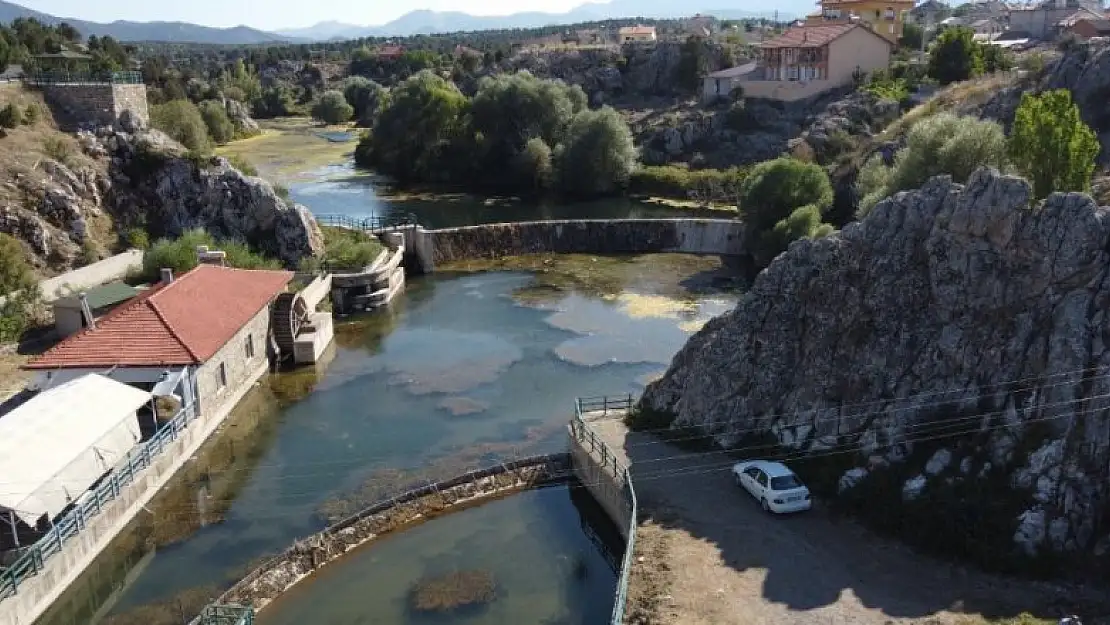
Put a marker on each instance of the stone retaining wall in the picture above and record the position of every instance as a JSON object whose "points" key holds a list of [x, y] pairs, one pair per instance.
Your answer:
{"points": [[721, 237], [302, 559], [98, 104]]}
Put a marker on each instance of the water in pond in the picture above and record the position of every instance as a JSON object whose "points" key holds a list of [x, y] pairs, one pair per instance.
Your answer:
{"points": [[466, 369], [556, 573]]}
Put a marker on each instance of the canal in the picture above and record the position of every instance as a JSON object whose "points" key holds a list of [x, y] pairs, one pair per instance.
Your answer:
{"points": [[472, 365]]}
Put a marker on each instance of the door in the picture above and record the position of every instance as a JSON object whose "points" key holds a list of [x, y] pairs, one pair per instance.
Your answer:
{"points": [[751, 480]]}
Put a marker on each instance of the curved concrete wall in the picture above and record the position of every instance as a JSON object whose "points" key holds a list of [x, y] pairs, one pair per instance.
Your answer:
{"points": [[282, 572], [721, 237]]}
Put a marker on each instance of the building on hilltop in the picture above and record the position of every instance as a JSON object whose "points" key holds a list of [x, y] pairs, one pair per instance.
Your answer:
{"points": [[803, 62], [637, 34], [885, 17], [210, 329], [1049, 19]]}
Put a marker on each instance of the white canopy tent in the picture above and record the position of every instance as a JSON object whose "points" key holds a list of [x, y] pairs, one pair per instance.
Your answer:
{"points": [[58, 443]]}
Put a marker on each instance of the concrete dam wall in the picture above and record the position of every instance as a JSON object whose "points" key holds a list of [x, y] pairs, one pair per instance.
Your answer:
{"points": [[720, 237]]}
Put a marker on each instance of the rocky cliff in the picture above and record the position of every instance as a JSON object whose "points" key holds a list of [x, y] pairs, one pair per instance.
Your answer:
{"points": [[956, 337], [153, 183]]}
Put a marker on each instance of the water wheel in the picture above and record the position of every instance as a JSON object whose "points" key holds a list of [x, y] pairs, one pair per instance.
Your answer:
{"points": [[288, 316]]}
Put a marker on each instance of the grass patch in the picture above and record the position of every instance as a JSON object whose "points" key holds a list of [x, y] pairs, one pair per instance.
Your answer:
{"points": [[180, 254], [348, 249], [706, 186]]}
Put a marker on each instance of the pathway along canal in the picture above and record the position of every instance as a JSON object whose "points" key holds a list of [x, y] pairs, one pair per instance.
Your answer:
{"points": [[468, 368]]}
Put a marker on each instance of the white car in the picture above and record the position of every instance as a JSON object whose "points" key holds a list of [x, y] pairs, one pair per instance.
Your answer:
{"points": [[775, 487]]}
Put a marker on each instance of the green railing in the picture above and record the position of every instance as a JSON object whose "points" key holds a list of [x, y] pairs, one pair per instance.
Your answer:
{"points": [[227, 615], [368, 224], [73, 522], [64, 77], [581, 430]]}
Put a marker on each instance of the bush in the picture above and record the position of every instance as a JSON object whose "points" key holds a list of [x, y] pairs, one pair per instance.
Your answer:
{"points": [[136, 238], [181, 120], [240, 162], [941, 144], [180, 254], [219, 125], [349, 249], [11, 116], [59, 148], [1050, 144], [535, 164], [955, 56], [887, 88], [32, 115], [714, 185], [332, 108], [17, 283], [783, 200]]}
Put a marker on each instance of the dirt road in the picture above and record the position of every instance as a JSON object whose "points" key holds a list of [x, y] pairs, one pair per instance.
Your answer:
{"points": [[710, 556]]}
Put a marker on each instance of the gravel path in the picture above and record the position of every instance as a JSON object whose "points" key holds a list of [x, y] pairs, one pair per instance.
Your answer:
{"points": [[708, 555]]}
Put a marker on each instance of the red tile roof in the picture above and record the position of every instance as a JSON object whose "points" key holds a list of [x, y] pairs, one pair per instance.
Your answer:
{"points": [[812, 36], [181, 323]]}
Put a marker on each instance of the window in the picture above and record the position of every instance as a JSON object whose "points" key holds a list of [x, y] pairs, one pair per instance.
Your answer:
{"points": [[248, 348], [793, 75], [762, 479], [785, 482], [221, 377]]}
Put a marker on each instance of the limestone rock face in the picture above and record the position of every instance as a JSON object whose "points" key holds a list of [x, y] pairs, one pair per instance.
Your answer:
{"points": [[956, 306], [240, 117], [155, 184]]}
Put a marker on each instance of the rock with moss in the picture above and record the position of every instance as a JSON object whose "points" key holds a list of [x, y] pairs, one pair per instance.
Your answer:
{"points": [[955, 311]]}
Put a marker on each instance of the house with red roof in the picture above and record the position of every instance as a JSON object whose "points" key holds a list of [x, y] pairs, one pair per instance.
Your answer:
{"points": [[204, 335], [805, 61]]}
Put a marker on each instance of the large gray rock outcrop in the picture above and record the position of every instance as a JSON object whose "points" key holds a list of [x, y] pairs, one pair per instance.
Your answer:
{"points": [[950, 302], [154, 183]]}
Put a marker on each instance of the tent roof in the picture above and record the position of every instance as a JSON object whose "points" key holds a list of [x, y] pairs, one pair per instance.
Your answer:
{"points": [[52, 429]]}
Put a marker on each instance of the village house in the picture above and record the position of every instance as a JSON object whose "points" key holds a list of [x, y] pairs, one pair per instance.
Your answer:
{"points": [[885, 17], [637, 34], [1050, 18], [803, 62], [1085, 25], [206, 333]]}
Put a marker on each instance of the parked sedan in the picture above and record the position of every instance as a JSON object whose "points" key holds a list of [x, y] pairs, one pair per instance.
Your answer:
{"points": [[775, 487]]}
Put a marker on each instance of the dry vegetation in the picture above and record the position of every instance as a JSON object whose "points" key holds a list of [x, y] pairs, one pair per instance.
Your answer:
{"points": [[23, 151], [12, 378]]}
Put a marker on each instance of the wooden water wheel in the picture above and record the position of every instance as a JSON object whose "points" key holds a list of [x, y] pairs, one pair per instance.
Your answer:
{"points": [[288, 316]]}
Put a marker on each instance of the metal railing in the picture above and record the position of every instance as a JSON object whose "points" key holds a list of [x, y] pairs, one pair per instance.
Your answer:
{"points": [[584, 433], [90, 504], [63, 77], [368, 224], [227, 615]]}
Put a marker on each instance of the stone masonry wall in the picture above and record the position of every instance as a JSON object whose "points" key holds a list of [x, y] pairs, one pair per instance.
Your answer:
{"points": [[241, 369], [132, 98], [588, 236], [96, 104]]}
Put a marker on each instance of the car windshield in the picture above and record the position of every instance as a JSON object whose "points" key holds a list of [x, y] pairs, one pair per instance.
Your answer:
{"points": [[785, 482]]}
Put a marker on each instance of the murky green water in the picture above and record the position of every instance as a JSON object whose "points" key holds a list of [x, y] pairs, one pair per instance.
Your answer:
{"points": [[469, 367]]}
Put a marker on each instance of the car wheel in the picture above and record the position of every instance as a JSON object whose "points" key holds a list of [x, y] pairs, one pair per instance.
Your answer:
{"points": [[765, 505]]}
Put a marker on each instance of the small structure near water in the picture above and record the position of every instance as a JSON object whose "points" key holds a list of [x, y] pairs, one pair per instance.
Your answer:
{"points": [[374, 286]]}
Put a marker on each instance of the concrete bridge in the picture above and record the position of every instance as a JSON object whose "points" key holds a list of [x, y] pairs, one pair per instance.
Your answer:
{"points": [[715, 237]]}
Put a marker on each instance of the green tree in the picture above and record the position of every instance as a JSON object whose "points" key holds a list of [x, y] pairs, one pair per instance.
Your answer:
{"points": [[535, 164], [598, 155], [275, 101], [1051, 145], [18, 286], [912, 37], [240, 82], [181, 120], [996, 59], [414, 137], [219, 125], [942, 144], [955, 56], [367, 98], [11, 116], [332, 108], [782, 200], [512, 109]]}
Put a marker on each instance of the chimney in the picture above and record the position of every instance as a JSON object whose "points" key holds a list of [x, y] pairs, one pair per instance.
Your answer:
{"points": [[86, 312], [167, 275]]}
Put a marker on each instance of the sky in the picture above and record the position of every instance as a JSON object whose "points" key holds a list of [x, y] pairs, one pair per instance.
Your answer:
{"points": [[275, 14]]}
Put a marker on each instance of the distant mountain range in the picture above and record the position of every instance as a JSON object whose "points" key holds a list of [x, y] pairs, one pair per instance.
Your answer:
{"points": [[177, 32], [424, 21], [412, 23]]}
